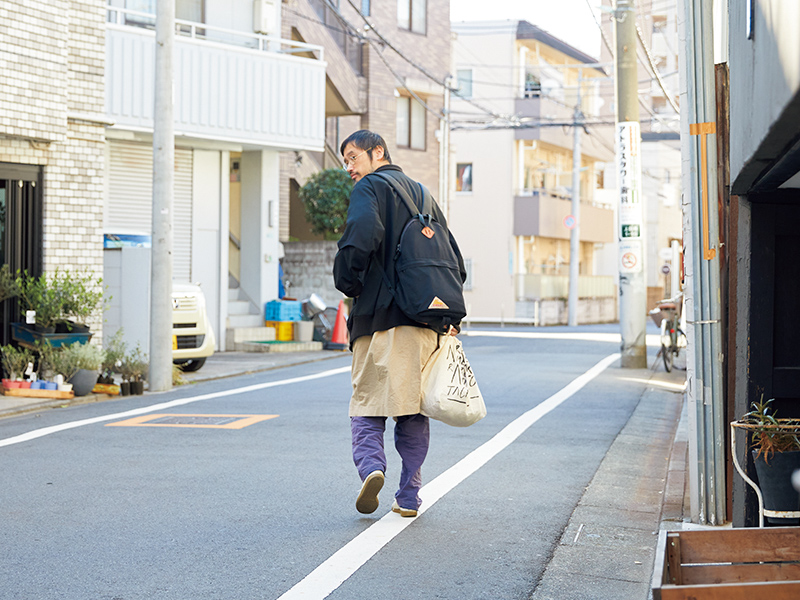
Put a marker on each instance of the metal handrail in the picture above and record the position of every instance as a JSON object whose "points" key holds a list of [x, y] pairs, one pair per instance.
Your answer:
{"points": [[190, 29]]}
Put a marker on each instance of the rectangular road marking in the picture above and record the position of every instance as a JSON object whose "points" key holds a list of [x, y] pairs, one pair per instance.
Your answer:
{"points": [[37, 433], [195, 421], [323, 580]]}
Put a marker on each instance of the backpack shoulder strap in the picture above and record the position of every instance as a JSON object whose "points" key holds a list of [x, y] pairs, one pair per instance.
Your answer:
{"points": [[404, 195]]}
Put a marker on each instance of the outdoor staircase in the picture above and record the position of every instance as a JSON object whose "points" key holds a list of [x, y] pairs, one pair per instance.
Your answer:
{"points": [[245, 323]]}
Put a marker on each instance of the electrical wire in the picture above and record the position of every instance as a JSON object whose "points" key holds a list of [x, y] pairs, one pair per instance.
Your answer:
{"points": [[655, 69]]}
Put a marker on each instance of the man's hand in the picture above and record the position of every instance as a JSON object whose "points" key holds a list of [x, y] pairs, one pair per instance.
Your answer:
{"points": [[453, 331]]}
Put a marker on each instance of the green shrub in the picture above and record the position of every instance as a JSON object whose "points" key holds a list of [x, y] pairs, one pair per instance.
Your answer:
{"points": [[326, 197]]}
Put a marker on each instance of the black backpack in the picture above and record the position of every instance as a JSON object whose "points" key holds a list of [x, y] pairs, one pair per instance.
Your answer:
{"points": [[427, 285]]}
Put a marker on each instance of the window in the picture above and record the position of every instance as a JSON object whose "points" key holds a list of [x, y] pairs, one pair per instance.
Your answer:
{"points": [[365, 7], [412, 15], [464, 77], [464, 177], [410, 123]]}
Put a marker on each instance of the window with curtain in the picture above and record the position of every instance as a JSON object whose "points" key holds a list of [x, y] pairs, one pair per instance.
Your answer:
{"points": [[413, 15], [410, 124]]}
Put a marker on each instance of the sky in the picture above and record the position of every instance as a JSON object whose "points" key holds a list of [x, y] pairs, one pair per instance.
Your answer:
{"points": [[569, 20]]}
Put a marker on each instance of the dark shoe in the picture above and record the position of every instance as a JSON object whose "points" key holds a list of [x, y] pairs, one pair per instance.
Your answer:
{"points": [[367, 501], [403, 512]]}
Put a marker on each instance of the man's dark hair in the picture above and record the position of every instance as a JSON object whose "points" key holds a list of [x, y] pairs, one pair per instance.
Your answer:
{"points": [[366, 140]]}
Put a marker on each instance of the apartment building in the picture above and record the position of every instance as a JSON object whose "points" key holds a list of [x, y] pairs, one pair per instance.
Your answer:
{"points": [[242, 96], [513, 138], [386, 67]]}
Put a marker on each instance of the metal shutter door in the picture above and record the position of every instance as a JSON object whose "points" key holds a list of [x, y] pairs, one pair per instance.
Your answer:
{"points": [[129, 202]]}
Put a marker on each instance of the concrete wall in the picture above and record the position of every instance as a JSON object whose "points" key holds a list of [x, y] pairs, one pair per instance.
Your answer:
{"points": [[764, 84], [556, 311], [308, 267], [482, 220]]}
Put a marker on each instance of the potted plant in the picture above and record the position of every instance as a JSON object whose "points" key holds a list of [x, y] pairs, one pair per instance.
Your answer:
{"points": [[82, 295], [78, 363], [775, 446], [15, 362], [134, 367], [38, 294], [112, 360]]}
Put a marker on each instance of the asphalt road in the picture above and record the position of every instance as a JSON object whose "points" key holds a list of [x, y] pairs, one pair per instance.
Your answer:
{"points": [[103, 510]]}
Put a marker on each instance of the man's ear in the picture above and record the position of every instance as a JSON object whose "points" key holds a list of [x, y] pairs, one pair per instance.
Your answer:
{"points": [[377, 153]]}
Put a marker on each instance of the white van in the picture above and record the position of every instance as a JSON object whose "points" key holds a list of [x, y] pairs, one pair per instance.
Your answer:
{"points": [[192, 336]]}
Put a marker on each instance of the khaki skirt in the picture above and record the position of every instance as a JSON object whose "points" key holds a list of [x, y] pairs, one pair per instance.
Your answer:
{"points": [[387, 371]]}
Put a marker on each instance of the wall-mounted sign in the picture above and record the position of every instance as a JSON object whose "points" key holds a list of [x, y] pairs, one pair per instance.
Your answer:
{"points": [[629, 178]]}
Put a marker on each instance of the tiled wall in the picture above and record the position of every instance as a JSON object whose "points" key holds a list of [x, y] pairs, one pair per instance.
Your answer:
{"points": [[52, 113]]}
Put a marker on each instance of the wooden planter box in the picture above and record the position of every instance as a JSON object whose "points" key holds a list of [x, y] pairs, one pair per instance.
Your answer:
{"points": [[728, 564], [29, 393]]}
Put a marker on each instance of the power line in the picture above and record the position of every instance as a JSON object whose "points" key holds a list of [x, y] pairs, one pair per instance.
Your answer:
{"points": [[655, 69]]}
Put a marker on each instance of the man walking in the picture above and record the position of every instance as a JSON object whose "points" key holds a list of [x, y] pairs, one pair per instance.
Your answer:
{"points": [[389, 348]]}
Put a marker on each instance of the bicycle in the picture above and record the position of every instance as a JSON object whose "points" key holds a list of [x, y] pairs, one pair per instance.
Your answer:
{"points": [[667, 315]]}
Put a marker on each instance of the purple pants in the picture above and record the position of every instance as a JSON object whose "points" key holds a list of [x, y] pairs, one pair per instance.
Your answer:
{"points": [[411, 439]]}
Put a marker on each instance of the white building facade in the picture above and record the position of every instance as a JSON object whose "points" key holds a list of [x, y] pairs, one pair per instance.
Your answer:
{"points": [[513, 141], [242, 96]]}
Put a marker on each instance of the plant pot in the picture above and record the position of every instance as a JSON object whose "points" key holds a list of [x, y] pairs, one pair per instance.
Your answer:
{"points": [[64, 387], [125, 388], [775, 481], [70, 327], [83, 381], [137, 388], [11, 383], [49, 385], [25, 385], [37, 385]]}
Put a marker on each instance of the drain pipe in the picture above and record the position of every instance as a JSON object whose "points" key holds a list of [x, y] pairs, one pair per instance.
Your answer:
{"points": [[701, 235]]}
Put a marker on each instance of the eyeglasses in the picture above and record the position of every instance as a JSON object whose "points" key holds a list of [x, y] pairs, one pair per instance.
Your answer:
{"points": [[352, 160]]}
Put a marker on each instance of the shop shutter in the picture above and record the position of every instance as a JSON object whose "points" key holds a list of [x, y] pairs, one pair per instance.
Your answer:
{"points": [[129, 201]]}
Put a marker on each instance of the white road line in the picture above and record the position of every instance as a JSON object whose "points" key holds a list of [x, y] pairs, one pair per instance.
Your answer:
{"points": [[587, 336], [37, 433], [323, 580]]}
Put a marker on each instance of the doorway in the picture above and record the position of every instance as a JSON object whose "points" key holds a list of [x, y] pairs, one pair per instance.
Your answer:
{"points": [[21, 225]]}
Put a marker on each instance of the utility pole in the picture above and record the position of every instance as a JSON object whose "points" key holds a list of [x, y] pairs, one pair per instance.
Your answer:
{"points": [[632, 287], [160, 376], [575, 233]]}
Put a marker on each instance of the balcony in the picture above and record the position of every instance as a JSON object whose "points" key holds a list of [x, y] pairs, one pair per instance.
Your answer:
{"points": [[245, 88], [317, 21], [540, 109], [543, 215]]}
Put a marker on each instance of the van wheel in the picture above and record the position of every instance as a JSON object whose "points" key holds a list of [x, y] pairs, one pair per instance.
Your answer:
{"points": [[192, 364]]}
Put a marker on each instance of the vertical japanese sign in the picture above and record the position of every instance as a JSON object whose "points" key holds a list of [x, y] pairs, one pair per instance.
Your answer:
{"points": [[629, 178]]}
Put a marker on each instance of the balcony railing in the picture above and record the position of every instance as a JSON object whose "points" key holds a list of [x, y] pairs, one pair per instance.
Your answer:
{"points": [[243, 39], [229, 85], [531, 286]]}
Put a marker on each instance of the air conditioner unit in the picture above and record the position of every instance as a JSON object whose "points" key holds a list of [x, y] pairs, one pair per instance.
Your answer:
{"points": [[264, 17]]}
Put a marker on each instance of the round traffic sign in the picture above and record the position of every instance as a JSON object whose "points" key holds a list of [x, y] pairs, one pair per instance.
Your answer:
{"points": [[629, 260], [665, 269], [569, 222]]}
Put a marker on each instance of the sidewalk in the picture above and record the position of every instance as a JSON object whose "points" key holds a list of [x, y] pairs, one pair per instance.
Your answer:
{"points": [[608, 549], [218, 366]]}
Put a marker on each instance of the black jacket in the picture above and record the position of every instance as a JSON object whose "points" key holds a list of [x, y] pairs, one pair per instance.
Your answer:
{"points": [[375, 220]]}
